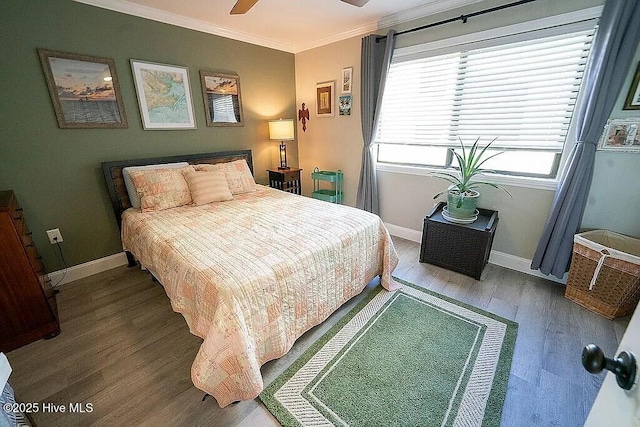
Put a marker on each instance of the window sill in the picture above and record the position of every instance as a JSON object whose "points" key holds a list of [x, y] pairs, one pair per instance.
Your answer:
{"points": [[515, 181]]}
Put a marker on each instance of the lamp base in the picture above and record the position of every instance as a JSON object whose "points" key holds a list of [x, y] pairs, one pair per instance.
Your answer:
{"points": [[283, 168]]}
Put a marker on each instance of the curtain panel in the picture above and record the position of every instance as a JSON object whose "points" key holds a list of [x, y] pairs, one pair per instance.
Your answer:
{"points": [[376, 58], [613, 50]]}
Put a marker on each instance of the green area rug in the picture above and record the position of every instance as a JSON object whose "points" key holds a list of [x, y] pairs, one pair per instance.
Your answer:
{"points": [[410, 357]]}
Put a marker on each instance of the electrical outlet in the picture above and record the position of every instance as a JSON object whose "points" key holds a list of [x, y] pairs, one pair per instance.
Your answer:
{"points": [[54, 236]]}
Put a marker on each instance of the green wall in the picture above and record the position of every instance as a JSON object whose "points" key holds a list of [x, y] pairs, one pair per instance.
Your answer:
{"points": [[56, 172]]}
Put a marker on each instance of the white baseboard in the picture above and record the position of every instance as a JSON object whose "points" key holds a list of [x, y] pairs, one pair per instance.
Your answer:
{"points": [[521, 264], [498, 258], [87, 269], [405, 233]]}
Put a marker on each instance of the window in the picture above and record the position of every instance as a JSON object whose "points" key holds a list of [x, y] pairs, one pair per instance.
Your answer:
{"points": [[519, 89]]}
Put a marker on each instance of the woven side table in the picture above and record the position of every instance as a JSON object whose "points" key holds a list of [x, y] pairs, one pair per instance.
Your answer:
{"points": [[464, 248]]}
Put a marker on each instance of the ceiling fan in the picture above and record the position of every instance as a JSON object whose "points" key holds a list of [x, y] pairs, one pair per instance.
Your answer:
{"points": [[242, 6]]}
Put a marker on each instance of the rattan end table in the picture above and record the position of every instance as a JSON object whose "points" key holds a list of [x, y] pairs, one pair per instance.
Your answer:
{"points": [[464, 248]]}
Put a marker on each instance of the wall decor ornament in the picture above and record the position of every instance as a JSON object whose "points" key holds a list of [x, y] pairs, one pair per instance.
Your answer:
{"points": [[621, 135], [164, 96], [325, 93], [345, 105], [347, 78], [303, 116], [633, 97], [84, 90], [222, 99]]}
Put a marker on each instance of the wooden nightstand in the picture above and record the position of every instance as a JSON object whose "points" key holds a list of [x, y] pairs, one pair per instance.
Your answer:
{"points": [[286, 180]]}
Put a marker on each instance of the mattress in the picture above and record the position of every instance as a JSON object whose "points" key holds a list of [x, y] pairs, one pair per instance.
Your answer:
{"points": [[251, 275]]}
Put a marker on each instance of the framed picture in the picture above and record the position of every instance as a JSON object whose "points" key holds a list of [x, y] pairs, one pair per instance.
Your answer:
{"points": [[324, 98], [84, 90], [222, 101], [345, 105], [164, 96], [633, 98], [621, 135], [347, 77]]}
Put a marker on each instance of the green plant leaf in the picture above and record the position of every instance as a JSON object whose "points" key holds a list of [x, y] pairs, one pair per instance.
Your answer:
{"points": [[482, 152], [469, 163]]}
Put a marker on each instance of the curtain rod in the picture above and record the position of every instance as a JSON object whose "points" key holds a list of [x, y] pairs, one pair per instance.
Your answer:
{"points": [[462, 18]]}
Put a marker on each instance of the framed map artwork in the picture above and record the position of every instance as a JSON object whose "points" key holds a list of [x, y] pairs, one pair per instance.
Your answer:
{"points": [[164, 96]]}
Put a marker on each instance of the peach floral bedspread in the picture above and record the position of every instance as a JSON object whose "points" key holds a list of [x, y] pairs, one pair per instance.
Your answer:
{"points": [[251, 275]]}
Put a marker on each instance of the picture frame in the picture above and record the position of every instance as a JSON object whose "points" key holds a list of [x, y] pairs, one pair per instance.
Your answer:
{"points": [[633, 97], [347, 79], [84, 90], [345, 105], [222, 98], [325, 94], [621, 135], [164, 95]]}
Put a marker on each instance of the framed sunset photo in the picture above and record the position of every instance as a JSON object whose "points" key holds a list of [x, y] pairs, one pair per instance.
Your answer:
{"points": [[84, 90], [222, 100]]}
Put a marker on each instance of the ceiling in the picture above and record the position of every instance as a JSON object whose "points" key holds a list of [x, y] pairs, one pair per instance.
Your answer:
{"points": [[287, 25]]}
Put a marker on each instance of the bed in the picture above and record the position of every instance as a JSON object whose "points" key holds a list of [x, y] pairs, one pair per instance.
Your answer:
{"points": [[252, 274]]}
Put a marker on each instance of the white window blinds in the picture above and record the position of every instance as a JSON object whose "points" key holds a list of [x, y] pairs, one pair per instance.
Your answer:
{"points": [[521, 92]]}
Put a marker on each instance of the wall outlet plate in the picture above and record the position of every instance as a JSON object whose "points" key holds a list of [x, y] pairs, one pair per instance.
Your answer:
{"points": [[54, 236]]}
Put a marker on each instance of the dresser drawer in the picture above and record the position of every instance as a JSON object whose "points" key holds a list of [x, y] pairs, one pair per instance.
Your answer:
{"points": [[35, 259], [14, 209], [27, 300]]}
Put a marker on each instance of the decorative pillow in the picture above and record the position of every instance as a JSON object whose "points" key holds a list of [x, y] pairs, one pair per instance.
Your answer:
{"points": [[160, 189], [131, 189], [237, 173], [207, 187]]}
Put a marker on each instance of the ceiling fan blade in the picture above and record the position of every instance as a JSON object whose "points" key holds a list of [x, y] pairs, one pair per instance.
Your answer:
{"points": [[242, 6], [358, 3]]}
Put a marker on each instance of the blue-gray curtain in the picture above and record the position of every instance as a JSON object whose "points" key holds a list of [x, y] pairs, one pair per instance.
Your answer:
{"points": [[613, 50], [376, 58]]}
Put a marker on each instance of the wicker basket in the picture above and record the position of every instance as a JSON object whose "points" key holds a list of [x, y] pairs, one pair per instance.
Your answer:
{"points": [[605, 273]]}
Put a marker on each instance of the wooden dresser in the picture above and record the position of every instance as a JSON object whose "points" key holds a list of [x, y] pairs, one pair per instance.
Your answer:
{"points": [[28, 310]]}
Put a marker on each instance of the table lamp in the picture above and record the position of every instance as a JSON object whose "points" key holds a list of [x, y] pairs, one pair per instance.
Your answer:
{"points": [[282, 130]]}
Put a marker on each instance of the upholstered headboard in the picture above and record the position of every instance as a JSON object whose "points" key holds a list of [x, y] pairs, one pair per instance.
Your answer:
{"points": [[115, 182]]}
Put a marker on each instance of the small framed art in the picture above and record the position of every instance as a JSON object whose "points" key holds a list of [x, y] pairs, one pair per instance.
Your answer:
{"points": [[84, 90], [633, 97], [345, 105], [164, 96], [325, 93], [621, 135], [222, 100], [347, 78]]}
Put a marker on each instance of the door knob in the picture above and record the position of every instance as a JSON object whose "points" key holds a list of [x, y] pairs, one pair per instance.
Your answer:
{"points": [[624, 366]]}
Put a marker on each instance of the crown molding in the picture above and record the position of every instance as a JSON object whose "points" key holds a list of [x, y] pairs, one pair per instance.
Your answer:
{"points": [[430, 8], [130, 8], [134, 9], [359, 31]]}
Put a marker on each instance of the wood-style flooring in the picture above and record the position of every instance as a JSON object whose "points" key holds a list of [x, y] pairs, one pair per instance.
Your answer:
{"points": [[125, 351]]}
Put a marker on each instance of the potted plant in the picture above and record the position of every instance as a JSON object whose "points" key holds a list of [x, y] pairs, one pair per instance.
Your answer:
{"points": [[462, 194]]}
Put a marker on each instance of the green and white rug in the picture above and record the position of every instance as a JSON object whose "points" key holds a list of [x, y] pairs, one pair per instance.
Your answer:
{"points": [[410, 357]]}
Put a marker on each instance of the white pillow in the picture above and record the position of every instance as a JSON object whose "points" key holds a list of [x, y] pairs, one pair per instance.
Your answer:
{"points": [[134, 198]]}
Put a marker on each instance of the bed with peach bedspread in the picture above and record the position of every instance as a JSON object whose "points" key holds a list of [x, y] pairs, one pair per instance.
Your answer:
{"points": [[251, 275]]}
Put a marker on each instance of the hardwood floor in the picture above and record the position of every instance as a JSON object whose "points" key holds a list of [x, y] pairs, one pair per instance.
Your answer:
{"points": [[125, 351]]}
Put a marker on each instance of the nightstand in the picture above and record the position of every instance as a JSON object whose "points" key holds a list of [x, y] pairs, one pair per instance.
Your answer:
{"points": [[464, 248], [286, 180]]}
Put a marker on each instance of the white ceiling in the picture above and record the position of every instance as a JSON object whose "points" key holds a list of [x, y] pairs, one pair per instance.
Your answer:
{"points": [[288, 25]]}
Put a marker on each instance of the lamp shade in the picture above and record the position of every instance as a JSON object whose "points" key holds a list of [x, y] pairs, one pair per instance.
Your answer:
{"points": [[281, 130]]}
